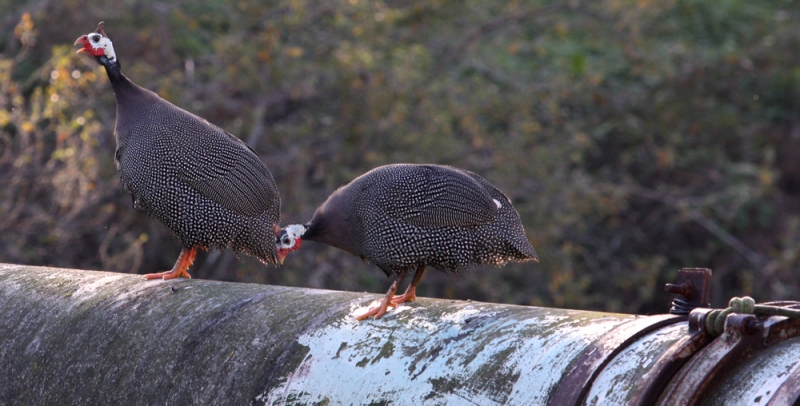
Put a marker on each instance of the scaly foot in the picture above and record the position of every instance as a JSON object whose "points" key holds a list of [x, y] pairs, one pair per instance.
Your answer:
{"points": [[181, 267]]}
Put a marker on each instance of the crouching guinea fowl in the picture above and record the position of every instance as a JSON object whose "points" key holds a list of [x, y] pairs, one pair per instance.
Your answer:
{"points": [[405, 217], [207, 186]]}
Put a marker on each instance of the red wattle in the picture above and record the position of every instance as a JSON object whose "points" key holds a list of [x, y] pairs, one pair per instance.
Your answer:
{"points": [[94, 51]]}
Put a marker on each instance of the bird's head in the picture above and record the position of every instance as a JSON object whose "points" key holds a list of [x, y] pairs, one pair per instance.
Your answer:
{"points": [[98, 45], [289, 239]]}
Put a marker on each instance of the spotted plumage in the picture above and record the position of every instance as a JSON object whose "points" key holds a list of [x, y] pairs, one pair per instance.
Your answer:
{"points": [[405, 217], [207, 186]]}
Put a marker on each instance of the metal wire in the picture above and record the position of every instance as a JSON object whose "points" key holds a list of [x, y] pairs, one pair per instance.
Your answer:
{"points": [[715, 320]]}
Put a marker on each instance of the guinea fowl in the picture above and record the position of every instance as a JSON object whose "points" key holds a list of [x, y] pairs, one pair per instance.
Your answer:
{"points": [[403, 217], [205, 185]]}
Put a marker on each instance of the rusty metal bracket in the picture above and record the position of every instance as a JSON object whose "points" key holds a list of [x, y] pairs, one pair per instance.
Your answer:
{"points": [[578, 380], [649, 387], [692, 290], [745, 335]]}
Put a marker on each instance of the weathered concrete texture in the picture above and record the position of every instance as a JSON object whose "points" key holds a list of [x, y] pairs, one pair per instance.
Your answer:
{"points": [[81, 337]]}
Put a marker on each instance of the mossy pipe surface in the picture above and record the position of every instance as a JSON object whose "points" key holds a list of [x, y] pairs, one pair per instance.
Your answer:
{"points": [[82, 337]]}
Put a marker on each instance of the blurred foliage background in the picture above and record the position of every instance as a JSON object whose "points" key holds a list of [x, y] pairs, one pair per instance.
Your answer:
{"points": [[634, 137]]}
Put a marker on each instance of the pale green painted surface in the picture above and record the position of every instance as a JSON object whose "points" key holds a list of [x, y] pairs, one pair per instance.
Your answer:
{"points": [[83, 337]]}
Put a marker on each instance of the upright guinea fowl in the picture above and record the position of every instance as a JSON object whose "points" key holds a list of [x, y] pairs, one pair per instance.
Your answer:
{"points": [[207, 186], [404, 217]]}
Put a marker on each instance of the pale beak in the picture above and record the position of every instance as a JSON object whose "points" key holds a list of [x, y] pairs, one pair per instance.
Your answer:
{"points": [[80, 41]]}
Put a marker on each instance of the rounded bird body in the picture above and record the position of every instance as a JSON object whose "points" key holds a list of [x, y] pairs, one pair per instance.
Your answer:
{"points": [[207, 187], [405, 216]]}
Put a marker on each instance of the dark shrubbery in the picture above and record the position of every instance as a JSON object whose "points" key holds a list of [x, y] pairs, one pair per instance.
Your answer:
{"points": [[634, 138]]}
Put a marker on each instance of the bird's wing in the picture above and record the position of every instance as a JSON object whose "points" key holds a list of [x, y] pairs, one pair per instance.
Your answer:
{"points": [[227, 171], [439, 196]]}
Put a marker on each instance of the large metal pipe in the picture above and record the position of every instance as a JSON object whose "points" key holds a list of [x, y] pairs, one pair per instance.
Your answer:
{"points": [[83, 337]]}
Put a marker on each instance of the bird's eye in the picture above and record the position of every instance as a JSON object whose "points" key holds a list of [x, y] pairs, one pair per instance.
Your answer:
{"points": [[285, 240], [95, 38]]}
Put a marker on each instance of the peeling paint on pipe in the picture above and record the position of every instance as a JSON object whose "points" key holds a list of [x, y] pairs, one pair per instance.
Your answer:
{"points": [[83, 337]]}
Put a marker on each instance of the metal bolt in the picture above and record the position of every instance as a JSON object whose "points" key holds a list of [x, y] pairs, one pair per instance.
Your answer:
{"points": [[752, 326], [685, 289]]}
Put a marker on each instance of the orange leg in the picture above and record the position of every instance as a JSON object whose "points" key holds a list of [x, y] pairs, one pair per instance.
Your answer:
{"points": [[411, 292], [387, 301], [180, 268]]}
